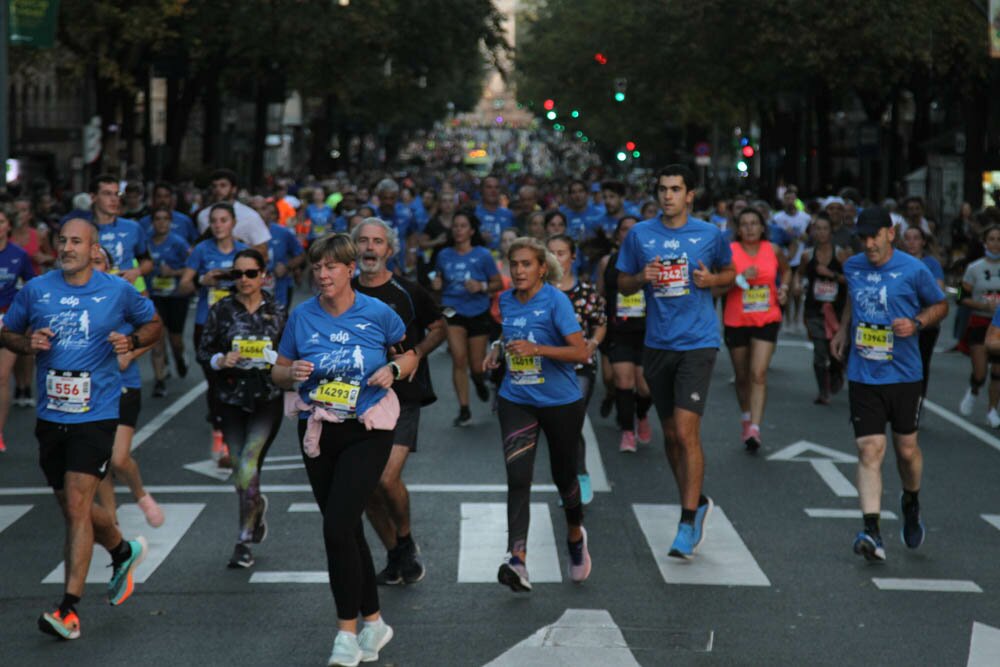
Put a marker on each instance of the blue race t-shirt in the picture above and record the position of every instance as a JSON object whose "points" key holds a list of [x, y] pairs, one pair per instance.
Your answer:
{"points": [[131, 378], [580, 224], [206, 257], [320, 216], [900, 288], [679, 315], [180, 224], [494, 222], [79, 375], [455, 269], [282, 247], [345, 350], [934, 267], [172, 251], [125, 240], [14, 264], [546, 319]]}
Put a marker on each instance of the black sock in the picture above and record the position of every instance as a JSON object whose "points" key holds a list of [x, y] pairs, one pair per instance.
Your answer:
{"points": [[68, 603], [871, 524], [910, 498], [404, 540], [478, 379], [463, 410], [702, 500], [121, 553], [687, 516], [642, 404], [625, 404]]}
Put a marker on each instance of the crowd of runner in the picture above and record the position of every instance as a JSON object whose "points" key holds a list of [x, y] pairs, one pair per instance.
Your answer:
{"points": [[322, 300]]}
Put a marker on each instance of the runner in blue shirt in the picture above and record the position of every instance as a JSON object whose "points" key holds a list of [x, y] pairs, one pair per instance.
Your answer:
{"points": [[891, 298], [170, 254], [334, 353], [76, 317], [123, 238], [285, 253], [180, 224], [320, 215], [541, 343], [614, 208], [580, 214], [210, 264], [916, 242], [493, 218], [15, 267], [677, 261], [466, 276]]}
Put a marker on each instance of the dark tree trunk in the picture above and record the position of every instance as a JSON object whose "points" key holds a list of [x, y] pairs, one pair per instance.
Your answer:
{"points": [[212, 137], [822, 103], [259, 136]]}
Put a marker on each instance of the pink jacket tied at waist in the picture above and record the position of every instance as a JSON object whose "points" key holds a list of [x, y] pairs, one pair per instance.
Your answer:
{"points": [[382, 416]]}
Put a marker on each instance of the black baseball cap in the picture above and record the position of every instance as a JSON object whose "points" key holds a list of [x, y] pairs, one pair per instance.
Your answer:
{"points": [[872, 219]]}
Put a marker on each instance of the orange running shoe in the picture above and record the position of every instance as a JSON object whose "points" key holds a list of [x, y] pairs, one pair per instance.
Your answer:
{"points": [[64, 627]]}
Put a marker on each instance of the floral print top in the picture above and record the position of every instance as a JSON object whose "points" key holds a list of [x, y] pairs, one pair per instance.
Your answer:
{"points": [[590, 310]]}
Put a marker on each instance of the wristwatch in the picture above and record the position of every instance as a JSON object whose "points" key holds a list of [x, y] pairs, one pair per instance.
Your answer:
{"points": [[918, 324], [396, 370], [135, 341]]}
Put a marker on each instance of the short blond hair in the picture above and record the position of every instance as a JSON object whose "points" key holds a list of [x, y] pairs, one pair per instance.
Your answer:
{"points": [[338, 247], [553, 272]]}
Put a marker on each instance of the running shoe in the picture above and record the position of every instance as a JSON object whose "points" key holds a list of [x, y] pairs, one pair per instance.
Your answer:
{"points": [[913, 527], [151, 510], [869, 546], [579, 559], [684, 543], [482, 391], [992, 418], [218, 446], [643, 431], [752, 441], [968, 403], [463, 418], [159, 389], [514, 574], [242, 557], [182, 367], [260, 525], [392, 575], [607, 404], [26, 400], [64, 626], [3, 445], [346, 650], [744, 429], [122, 585], [373, 638], [821, 400], [586, 490], [627, 443], [410, 567], [700, 517], [836, 381], [18, 401]]}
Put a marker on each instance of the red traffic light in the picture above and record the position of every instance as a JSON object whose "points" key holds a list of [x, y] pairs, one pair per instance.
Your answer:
{"points": [[549, 105], [630, 145], [600, 58], [748, 151]]}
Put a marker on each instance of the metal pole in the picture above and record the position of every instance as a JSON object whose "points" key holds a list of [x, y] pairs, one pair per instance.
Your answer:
{"points": [[4, 104]]}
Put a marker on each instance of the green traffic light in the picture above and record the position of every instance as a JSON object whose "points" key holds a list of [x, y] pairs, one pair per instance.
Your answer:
{"points": [[619, 97], [636, 153], [621, 156], [551, 115], [584, 139], [575, 113]]}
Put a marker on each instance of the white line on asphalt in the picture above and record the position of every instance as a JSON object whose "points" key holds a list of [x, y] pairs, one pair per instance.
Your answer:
{"points": [[835, 479], [179, 517], [795, 343], [984, 646], [595, 465], [316, 577], [11, 513], [581, 637], [971, 429], [823, 513], [483, 542], [992, 519], [723, 560], [286, 488], [927, 585], [166, 415]]}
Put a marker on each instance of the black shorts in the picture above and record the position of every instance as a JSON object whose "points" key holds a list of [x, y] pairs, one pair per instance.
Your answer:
{"points": [[976, 335], [626, 347], [173, 311], [740, 336], [875, 405], [129, 405], [407, 426], [678, 378], [84, 448], [476, 325]]}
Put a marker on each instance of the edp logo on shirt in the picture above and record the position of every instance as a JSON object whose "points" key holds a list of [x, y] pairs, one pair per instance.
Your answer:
{"points": [[339, 337]]}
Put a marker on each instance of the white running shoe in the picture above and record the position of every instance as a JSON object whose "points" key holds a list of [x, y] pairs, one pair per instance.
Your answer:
{"points": [[993, 418], [373, 638], [346, 650], [968, 403]]}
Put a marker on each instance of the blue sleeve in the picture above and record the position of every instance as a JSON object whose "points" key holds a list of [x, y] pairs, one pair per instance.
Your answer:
{"points": [[287, 347], [138, 309], [140, 241], [995, 322], [491, 266], [194, 259], [16, 318], [563, 316], [628, 257], [190, 231], [292, 243], [27, 268], [935, 268], [723, 252], [927, 287]]}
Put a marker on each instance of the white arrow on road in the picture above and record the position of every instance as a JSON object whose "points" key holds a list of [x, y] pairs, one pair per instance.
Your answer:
{"points": [[984, 647], [581, 637], [210, 468], [824, 461]]}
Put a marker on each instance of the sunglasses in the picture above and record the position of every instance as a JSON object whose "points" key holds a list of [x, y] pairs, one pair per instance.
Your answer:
{"points": [[236, 274]]}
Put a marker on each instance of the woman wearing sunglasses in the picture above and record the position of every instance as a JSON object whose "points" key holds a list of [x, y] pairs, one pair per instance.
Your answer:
{"points": [[239, 343]]}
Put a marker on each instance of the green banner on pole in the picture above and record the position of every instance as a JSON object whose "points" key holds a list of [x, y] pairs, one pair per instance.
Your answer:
{"points": [[33, 22]]}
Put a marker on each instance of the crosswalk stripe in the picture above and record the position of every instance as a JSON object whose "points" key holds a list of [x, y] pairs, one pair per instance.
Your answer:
{"points": [[992, 519], [304, 577], [162, 540], [11, 513], [927, 585], [483, 542], [831, 513], [595, 464], [722, 560]]}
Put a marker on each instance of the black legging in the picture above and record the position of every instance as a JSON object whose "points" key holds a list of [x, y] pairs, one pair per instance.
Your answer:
{"points": [[928, 338], [343, 477], [825, 366], [214, 404], [585, 379], [519, 426]]}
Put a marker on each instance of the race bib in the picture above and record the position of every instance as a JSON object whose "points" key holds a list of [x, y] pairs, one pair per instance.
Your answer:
{"points": [[164, 284], [341, 397], [525, 370], [216, 295], [992, 298], [874, 341], [825, 291], [68, 391], [757, 299], [633, 305], [253, 348], [674, 278]]}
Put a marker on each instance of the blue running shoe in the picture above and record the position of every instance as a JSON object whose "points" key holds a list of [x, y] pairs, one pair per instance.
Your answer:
{"points": [[869, 546], [913, 527], [513, 573], [700, 517], [683, 546], [121, 585], [586, 492]]}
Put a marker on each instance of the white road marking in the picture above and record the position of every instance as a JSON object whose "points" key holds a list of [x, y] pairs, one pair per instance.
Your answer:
{"points": [[971, 429], [581, 637], [821, 513], [157, 422], [306, 577], [835, 479], [595, 464], [483, 543], [287, 488], [722, 560], [179, 517], [795, 451], [209, 468], [984, 646], [992, 519], [11, 513], [927, 585]]}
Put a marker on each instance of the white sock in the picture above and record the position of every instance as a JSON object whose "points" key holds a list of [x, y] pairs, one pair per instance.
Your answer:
{"points": [[745, 416]]}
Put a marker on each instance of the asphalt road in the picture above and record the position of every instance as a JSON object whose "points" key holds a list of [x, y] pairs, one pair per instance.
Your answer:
{"points": [[775, 582]]}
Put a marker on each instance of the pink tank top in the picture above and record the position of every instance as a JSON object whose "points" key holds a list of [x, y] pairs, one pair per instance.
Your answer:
{"points": [[758, 305]]}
